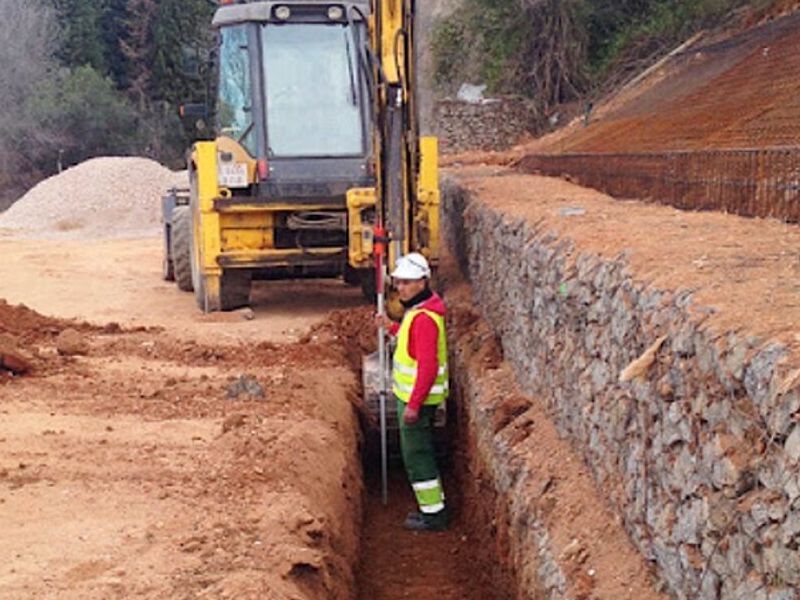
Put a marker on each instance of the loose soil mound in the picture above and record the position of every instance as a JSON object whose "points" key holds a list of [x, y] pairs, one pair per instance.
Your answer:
{"points": [[23, 331], [134, 471], [102, 197], [351, 329], [20, 321]]}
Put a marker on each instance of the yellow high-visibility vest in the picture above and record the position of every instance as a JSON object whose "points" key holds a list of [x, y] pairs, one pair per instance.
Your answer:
{"points": [[404, 366]]}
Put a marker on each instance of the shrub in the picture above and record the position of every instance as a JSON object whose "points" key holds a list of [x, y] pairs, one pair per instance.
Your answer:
{"points": [[80, 114]]}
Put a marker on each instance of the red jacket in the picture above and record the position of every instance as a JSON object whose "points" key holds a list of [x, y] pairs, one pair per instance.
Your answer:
{"points": [[423, 345]]}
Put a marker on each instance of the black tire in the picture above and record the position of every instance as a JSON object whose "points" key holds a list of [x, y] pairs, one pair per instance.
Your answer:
{"points": [[368, 289], [352, 276], [198, 278], [167, 269], [234, 289], [180, 247]]}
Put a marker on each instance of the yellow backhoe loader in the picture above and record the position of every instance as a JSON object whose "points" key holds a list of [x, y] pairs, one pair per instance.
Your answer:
{"points": [[317, 144]]}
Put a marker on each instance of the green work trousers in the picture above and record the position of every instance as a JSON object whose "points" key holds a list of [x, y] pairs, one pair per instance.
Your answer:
{"points": [[419, 458]]}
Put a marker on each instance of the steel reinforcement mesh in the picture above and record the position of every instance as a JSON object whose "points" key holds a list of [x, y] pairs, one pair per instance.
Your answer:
{"points": [[747, 182]]}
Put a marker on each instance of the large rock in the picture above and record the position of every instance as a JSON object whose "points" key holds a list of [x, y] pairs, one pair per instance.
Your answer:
{"points": [[70, 342]]}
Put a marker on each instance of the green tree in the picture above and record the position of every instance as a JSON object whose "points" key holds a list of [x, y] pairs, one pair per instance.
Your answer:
{"points": [[80, 114], [162, 39], [535, 48], [166, 46], [113, 28], [81, 40], [137, 48], [183, 40]]}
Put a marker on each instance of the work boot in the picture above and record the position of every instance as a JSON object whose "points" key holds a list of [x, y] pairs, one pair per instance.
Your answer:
{"points": [[416, 521]]}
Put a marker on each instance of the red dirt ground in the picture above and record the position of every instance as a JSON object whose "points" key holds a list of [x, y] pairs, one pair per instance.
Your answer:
{"points": [[428, 566], [130, 471], [735, 92]]}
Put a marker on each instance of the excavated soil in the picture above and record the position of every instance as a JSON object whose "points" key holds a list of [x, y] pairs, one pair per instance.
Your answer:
{"points": [[172, 454], [164, 453], [22, 330], [144, 467]]}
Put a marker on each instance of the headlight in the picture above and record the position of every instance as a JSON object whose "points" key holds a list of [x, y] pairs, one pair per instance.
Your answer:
{"points": [[283, 13], [335, 13]]}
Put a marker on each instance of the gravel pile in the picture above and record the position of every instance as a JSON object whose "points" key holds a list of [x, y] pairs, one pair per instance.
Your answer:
{"points": [[102, 197]]}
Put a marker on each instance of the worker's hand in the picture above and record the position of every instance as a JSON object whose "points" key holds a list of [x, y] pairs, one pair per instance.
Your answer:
{"points": [[383, 320], [410, 415]]}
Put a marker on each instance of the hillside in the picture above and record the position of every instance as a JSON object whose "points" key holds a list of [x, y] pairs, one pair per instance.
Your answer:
{"points": [[739, 92]]}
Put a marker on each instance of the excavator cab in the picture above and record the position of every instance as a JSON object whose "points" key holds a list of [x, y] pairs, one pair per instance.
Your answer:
{"points": [[292, 93]]}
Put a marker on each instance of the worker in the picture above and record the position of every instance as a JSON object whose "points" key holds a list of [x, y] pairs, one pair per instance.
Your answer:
{"points": [[420, 385]]}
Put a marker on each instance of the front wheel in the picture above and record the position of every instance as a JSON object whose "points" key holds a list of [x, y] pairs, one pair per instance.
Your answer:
{"points": [[167, 270], [180, 247], [352, 276]]}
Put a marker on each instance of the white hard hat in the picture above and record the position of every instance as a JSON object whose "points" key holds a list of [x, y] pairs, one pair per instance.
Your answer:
{"points": [[411, 266]]}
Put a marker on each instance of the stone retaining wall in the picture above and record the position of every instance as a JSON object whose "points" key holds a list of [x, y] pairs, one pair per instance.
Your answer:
{"points": [[697, 449], [497, 124]]}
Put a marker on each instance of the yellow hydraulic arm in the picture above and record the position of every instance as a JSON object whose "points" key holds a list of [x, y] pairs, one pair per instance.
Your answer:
{"points": [[407, 165]]}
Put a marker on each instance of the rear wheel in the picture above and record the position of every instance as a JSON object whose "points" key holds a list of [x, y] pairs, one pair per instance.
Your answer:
{"points": [[167, 270], [180, 247]]}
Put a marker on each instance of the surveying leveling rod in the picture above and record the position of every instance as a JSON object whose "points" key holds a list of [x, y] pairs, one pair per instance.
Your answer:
{"points": [[380, 251]]}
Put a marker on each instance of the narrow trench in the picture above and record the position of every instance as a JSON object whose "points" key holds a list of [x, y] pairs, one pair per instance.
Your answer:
{"points": [[460, 563]]}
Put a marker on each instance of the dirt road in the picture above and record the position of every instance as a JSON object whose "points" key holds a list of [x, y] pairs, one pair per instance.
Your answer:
{"points": [[148, 466], [119, 281]]}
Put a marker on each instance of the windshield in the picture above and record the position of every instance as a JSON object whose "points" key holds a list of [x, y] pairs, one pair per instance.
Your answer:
{"points": [[312, 91], [235, 100]]}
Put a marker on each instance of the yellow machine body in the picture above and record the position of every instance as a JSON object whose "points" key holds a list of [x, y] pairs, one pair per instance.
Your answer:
{"points": [[234, 235]]}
